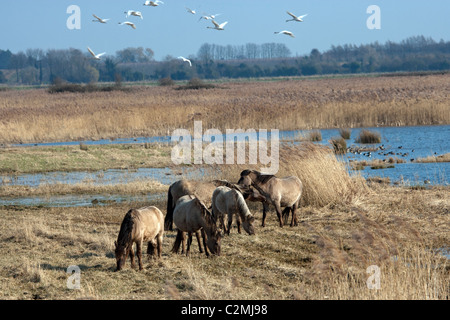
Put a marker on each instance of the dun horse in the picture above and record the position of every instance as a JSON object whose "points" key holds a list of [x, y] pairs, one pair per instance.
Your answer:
{"points": [[182, 188], [229, 201], [281, 192], [191, 215], [139, 225]]}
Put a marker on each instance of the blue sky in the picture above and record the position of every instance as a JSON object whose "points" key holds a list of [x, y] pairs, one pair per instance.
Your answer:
{"points": [[170, 30]]}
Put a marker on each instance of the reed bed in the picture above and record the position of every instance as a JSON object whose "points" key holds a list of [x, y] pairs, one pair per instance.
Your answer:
{"points": [[37, 116], [435, 158]]}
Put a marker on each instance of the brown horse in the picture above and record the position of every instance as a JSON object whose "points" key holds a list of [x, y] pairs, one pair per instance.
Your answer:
{"points": [[191, 215], [182, 188], [139, 225], [281, 192]]}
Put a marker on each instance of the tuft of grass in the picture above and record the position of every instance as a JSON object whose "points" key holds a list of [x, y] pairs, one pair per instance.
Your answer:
{"points": [[83, 147], [368, 137]]}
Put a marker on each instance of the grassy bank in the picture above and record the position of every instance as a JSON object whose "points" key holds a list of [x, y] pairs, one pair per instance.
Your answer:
{"points": [[36, 115], [83, 158], [325, 257]]}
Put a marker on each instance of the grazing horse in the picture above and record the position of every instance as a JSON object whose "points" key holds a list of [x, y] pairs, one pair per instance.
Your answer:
{"points": [[181, 188], [139, 225], [229, 201], [281, 192], [191, 215]]}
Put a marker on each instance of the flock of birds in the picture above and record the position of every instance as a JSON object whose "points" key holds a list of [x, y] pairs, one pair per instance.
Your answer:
{"points": [[210, 17]]}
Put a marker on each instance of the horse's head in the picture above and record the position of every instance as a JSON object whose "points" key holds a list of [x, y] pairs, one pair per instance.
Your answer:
{"points": [[246, 180], [248, 225], [214, 242], [121, 255]]}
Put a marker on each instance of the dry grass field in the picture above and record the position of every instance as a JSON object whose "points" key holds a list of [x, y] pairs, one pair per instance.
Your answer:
{"points": [[30, 116], [325, 257]]}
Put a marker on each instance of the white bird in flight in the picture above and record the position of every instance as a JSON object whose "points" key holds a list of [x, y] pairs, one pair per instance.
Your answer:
{"points": [[96, 56], [185, 60], [153, 3], [288, 33], [218, 26], [295, 18], [190, 10], [209, 17], [128, 23], [99, 19], [134, 13]]}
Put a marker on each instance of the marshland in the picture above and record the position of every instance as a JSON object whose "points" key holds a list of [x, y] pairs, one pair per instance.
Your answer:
{"points": [[346, 223]]}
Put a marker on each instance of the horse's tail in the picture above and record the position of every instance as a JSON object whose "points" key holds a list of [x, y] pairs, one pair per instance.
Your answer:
{"points": [[126, 229], [168, 220], [177, 243]]}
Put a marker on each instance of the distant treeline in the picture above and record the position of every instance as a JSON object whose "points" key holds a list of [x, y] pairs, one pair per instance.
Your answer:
{"points": [[34, 66]]}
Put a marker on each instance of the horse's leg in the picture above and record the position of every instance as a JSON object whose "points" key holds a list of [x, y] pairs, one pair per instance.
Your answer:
{"points": [[204, 242], [189, 241], [278, 209], [230, 221], [139, 253], [285, 214], [131, 253], [183, 242], [197, 235], [265, 209], [238, 222], [151, 248], [222, 222], [294, 214], [159, 242]]}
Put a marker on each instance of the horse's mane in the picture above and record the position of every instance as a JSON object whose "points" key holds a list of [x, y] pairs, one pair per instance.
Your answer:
{"points": [[208, 215], [260, 177], [241, 204], [126, 229]]}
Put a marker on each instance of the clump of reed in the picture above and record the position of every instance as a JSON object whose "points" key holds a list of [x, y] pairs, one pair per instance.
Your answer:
{"points": [[60, 86], [368, 137], [345, 133], [325, 179], [315, 136], [196, 84], [166, 82], [339, 145]]}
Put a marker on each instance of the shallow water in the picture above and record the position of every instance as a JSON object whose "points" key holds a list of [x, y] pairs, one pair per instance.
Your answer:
{"points": [[406, 143], [79, 200]]}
